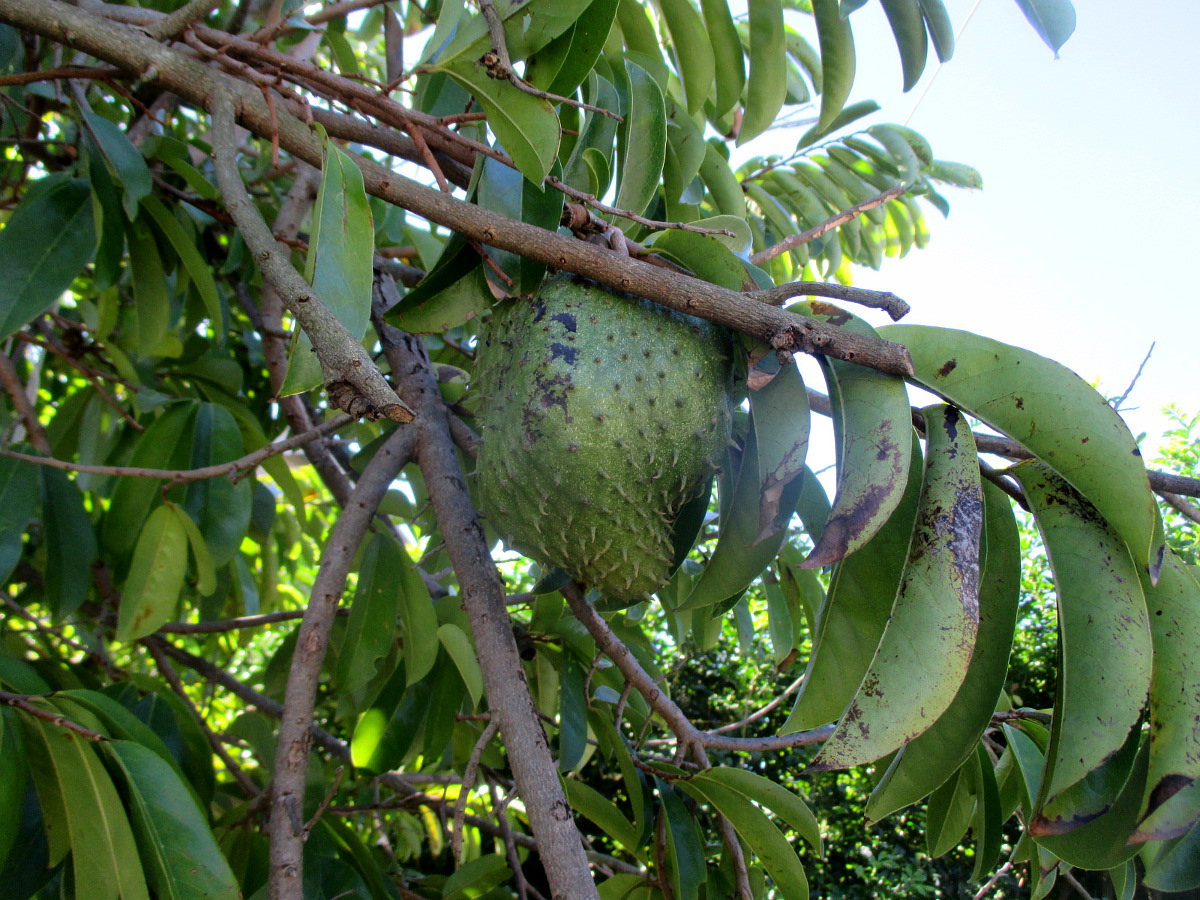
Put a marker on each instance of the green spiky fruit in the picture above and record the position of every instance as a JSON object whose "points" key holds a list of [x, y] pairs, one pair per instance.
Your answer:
{"points": [[602, 415]]}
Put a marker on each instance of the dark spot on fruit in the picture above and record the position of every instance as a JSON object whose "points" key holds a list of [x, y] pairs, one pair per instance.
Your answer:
{"points": [[611, 337], [662, 374], [624, 357], [947, 367], [562, 351], [617, 386], [1020, 401], [539, 310], [950, 418], [566, 320], [596, 360], [1085, 440]]}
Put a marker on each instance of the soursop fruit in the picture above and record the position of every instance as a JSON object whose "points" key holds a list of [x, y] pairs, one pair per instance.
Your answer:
{"points": [[601, 415]]}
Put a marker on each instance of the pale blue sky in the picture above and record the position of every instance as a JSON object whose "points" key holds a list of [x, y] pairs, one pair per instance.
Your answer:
{"points": [[1083, 243]]}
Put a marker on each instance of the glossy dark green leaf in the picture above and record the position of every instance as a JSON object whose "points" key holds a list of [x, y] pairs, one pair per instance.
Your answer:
{"points": [[47, 240], [1026, 397], [70, 543], [837, 59], [1172, 803], [1053, 20], [564, 63], [988, 822], [769, 795], [1105, 645], [908, 27], [503, 190], [151, 291], [528, 27], [416, 613], [1176, 866], [18, 500], [374, 610], [598, 135], [14, 776], [124, 160], [151, 591], [862, 591], [218, 506], [685, 849], [642, 141], [572, 714], [526, 126], [926, 762], [386, 731], [948, 815], [935, 619], [182, 859], [593, 805], [766, 85]]}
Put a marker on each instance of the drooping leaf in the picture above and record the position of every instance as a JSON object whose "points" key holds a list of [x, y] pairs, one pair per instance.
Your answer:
{"points": [[936, 616], [1028, 398], [862, 592], [1105, 645], [730, 69], [374, 610], [416, 612], [14, 775], [155, 579], [766, 84], [873, 429], [770, 795], [572, 714], [458, 647], [694, 60], [837, 59], [1053, 20], [505, 191], [1172, 802], [198, 269], [908, 27], [684, 845], [219, 507], [941, 31], [18, 500], [926, 762], [70, 543], [124, 160], [642, 141], [564, 63], [182, 859]]}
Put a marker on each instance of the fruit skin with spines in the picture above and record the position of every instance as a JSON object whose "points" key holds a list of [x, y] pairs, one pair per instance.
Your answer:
{"points": [[601, 415]]}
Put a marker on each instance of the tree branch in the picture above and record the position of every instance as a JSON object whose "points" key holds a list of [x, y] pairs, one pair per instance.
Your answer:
{"points": [[342, 357], [885, 300]]}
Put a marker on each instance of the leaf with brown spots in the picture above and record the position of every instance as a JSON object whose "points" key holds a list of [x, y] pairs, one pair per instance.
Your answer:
{"points": [[927, 646], [1047, 408], [872, 424], [1105, 646]]}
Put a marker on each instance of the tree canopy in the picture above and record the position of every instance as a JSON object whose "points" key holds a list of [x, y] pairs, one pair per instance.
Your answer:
{"points": [[292, 291]]}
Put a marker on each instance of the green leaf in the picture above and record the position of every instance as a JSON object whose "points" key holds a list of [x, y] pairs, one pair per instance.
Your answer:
{"points": [[766, 86], [935, 620], [124, 160], [685, 850], [563, 64], [593, 805], [477, 877], [198, 270], [908, 27], [1105, 645], [458, 648], [151, 591], [764, 839], [1172, 802], [694, 60], [18, 500], [416, 612], [641, 141], [70, 543], [862, 591], [374, 610], [941, 30], [182, 859], [151, 294], [596, 139], [47, 240], [730, 69], [206, 573], [837, 59], [948, 815], [526, 126], [385, 732], [104, 854], [220, 507], [572, 713], [724, 189], [339, 262], [753, 521], [1053, 20], [1173, 868], [14, 776], [988, 822], [528, 27], [766, 793], [925, 763], [873, 427], [1047, 408], [505, 191]]}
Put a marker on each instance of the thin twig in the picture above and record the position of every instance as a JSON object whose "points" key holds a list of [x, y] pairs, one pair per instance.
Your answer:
{"points": [[470, 772], [1181, 506], [16, 392], [25, 702], [19, 78], [763, 711], [328, 798], [885, 300], [185, 476], [1120, 401], [991, 882], [804, 237], [219, 626], [172, 23]]}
